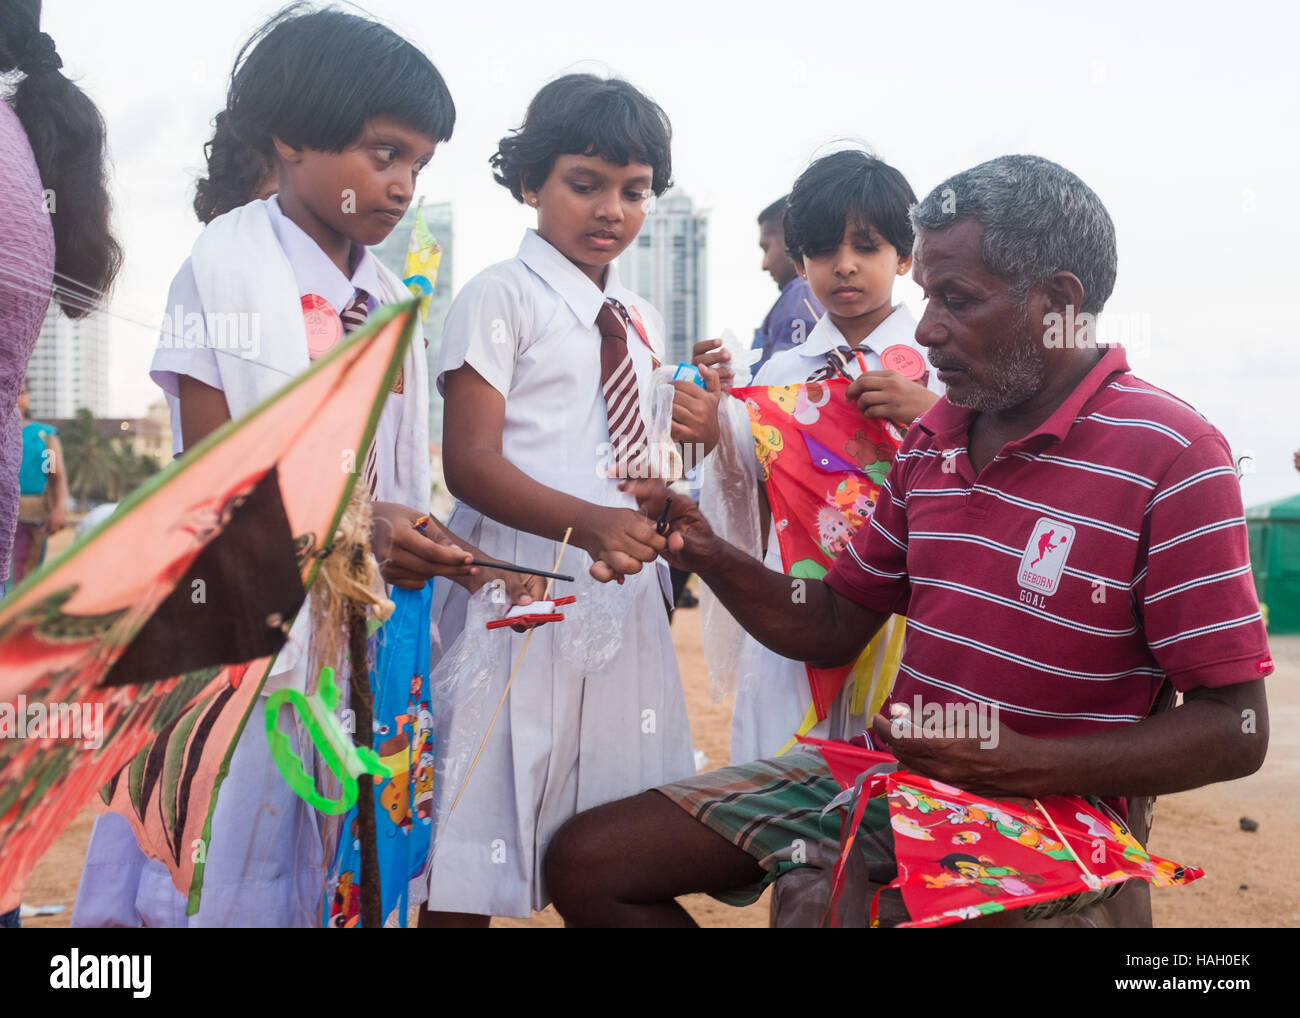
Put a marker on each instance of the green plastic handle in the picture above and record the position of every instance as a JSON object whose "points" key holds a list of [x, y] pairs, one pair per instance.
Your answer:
{"points": [[345, 759]]}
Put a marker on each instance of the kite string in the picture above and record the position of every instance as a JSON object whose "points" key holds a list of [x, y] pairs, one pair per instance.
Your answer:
{"points": [[834, 350], [88, 301], [510, 681]]}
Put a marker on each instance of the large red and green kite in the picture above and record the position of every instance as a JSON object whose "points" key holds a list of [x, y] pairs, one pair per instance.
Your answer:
{"points": [[130, 664]]}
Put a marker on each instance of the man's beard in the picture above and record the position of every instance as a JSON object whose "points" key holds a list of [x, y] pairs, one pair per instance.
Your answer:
{"points": [[1017, 369]]}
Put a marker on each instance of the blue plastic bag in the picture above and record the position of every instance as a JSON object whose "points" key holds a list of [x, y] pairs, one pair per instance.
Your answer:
{"points": [[403, 739]]}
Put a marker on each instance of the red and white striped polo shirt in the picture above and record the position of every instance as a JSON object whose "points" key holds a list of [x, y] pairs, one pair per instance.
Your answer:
{"points": [[1087, 562]]}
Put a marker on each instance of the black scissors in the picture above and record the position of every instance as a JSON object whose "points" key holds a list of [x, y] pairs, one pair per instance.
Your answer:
{"points": [[661, 525]]}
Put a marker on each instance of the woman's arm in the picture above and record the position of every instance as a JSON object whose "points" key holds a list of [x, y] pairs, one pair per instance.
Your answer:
{"points": [[58, 517]]}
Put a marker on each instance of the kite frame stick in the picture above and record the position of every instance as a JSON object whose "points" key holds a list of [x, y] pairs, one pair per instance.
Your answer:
{"points": [[361, 700], [1089, 878], [509, 568], [423, 521], [509, 682]]}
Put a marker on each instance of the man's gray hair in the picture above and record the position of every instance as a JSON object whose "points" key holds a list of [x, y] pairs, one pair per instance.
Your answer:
{"points": [[1038, 218]]}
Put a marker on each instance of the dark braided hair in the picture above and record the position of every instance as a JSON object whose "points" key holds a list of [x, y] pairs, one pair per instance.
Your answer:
{"points": [[66, 133], [235, 172]]}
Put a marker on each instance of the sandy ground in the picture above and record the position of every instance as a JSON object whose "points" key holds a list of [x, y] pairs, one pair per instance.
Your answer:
{"points": [[1252, 877]]}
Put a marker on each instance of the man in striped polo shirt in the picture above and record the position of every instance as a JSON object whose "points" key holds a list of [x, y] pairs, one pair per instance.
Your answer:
{"points": [[1063, 537]]}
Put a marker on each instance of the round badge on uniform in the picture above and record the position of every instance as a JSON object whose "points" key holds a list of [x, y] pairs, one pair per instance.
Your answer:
{"points": [[324, 329], [906, 361]]}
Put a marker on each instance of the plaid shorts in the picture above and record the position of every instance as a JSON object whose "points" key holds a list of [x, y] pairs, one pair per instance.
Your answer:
{"points": [[783, 812], [779, 811]]}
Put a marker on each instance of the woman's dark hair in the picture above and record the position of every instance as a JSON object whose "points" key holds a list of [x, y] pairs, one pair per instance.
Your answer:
{"points": [[312, 78], [847, 189], [581, 114], [234, 172], [66, 134]]}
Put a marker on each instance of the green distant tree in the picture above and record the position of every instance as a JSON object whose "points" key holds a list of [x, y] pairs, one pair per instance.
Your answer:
{"points": [[131, 471], [89, 457], [101, 469]]}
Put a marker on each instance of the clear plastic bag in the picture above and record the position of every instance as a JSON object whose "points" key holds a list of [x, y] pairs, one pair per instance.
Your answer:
{"points": [[591, 634], [742, 358], [665, 457], [463, 696], [729, 501], [468, 682]]}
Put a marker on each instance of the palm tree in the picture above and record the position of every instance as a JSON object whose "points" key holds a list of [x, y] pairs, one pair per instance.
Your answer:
{"points": [[89, 458], [101, 468]]}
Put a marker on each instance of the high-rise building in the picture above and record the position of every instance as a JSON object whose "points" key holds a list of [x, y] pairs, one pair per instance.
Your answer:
{"points": [[666, 265], [69, 366], [392, 252]]}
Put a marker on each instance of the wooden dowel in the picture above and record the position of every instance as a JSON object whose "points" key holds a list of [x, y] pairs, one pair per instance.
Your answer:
{"points": [[510, 681]]}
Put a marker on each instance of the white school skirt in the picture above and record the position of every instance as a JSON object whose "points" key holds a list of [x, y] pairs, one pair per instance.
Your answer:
{"points": [[596, 713]]}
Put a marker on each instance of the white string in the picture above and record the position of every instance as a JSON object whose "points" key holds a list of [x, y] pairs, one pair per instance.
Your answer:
{"points": [[77, 301]]}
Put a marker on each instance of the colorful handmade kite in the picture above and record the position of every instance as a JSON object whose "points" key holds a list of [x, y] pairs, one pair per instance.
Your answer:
{"points": [[961, 857], [822, 463], [157, 630]]}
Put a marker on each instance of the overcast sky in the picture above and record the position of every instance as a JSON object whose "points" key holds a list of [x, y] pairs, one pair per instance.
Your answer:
{"points": [[1182, 119]]}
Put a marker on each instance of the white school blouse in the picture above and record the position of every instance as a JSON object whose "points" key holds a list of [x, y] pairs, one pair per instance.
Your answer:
{"points": [[570, 737], [768, 711], [187, 352]]}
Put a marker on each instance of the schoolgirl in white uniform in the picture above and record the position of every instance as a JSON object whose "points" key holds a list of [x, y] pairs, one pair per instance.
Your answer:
{"points": [[527, 435], [256, 266]]}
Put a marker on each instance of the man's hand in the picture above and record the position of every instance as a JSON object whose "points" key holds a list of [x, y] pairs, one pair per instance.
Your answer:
{"points": [[708, 353], [1218, 733], [797, 618], [1005, 764], [695, 414], [690, 539], [889, 395], [406, 557]]}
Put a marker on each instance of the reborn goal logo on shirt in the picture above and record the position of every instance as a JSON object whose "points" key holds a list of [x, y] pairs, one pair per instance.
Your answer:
{"points": [[1045, 554]]}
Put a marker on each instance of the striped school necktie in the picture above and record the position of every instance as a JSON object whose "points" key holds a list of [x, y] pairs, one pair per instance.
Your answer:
{"points": [[355, 314], [353, 317], [627, 434]]}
